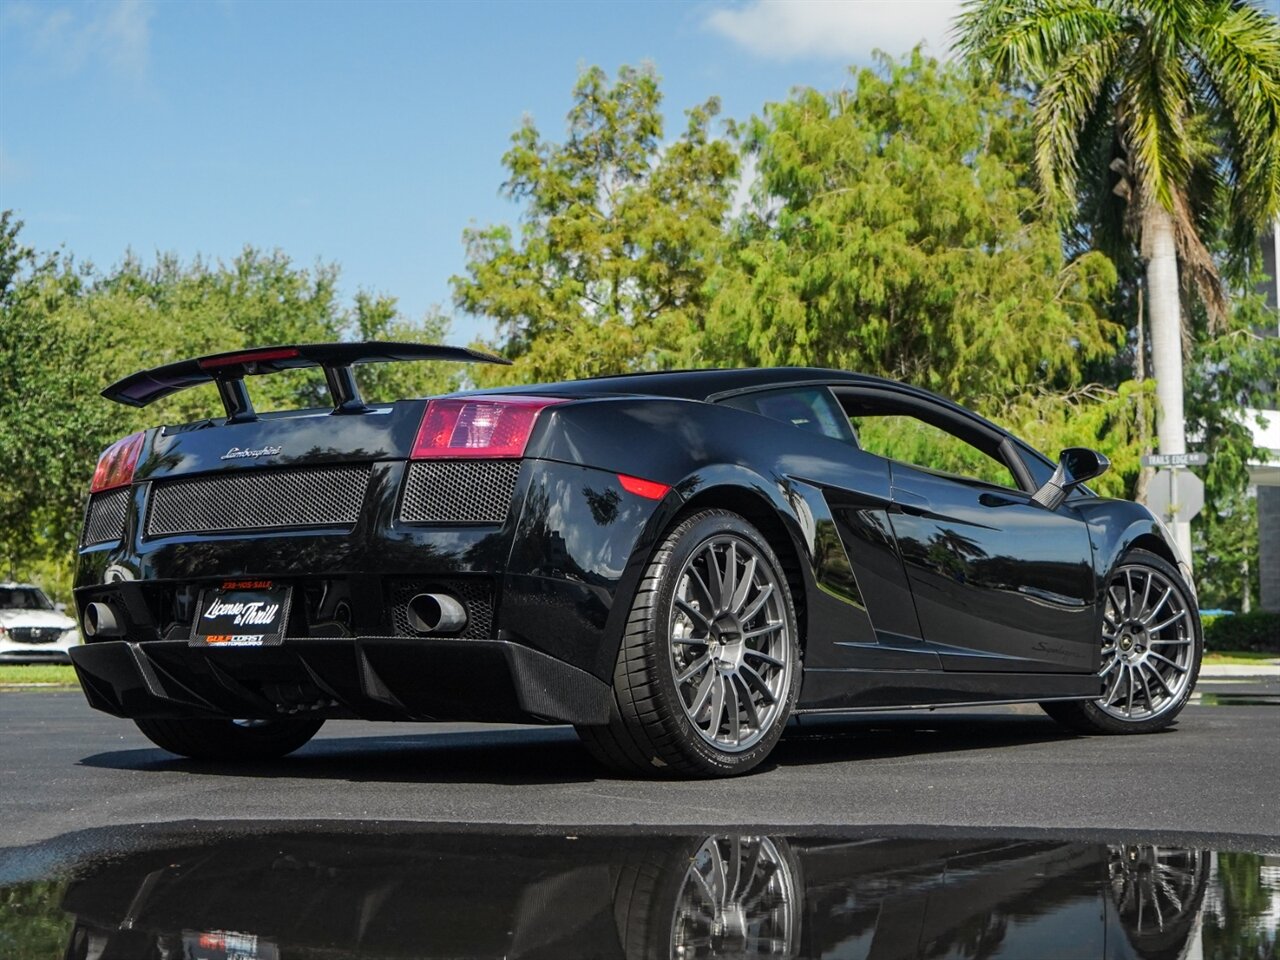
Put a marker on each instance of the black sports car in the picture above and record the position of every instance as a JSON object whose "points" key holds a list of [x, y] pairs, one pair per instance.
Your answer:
{"points": [[675, 563]]}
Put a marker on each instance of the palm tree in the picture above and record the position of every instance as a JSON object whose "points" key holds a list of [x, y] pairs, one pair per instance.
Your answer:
{"points": [[1178, 101]]}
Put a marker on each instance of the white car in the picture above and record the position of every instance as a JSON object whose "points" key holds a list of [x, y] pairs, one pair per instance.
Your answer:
{"points": [[32, 629]]}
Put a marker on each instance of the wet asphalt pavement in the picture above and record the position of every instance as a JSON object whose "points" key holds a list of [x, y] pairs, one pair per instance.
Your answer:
{"points": [[65, 768]]}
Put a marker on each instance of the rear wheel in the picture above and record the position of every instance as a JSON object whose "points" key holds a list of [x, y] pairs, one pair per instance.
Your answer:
{"points": [[709, 664], [1151, 649], [230, 739]]}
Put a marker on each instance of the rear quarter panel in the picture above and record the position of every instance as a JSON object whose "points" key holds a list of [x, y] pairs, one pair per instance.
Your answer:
{"points": [[708, 455]]}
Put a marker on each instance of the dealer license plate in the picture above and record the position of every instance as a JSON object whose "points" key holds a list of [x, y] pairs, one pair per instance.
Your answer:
{"points": [[241, 613], [225, 945]]}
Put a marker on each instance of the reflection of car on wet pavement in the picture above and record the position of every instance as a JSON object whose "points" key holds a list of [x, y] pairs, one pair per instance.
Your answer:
{"points": [[432, 895], [32, 629], [674, 563]]}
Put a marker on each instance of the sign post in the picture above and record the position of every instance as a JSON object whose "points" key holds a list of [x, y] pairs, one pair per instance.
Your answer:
{"points": [[1173, 493]]}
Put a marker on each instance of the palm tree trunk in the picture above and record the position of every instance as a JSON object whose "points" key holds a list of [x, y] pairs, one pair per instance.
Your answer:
{"points": [[1165, 311], [1140, 374]]}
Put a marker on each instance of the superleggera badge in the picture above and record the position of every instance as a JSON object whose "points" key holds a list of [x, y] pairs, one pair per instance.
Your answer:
{"points": [[237, 453]]}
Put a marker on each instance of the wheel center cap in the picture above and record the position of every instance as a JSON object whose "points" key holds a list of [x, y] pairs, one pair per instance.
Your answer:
{"points": [[726, 628], [726, 631], [1126, 642]]}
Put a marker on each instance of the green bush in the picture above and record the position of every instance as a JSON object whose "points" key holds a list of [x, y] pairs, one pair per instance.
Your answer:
{"points": [[1259, 632]]}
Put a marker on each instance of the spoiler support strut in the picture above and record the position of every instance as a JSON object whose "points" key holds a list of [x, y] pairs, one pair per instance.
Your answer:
{"points": [[235, 399], [343, 388]]}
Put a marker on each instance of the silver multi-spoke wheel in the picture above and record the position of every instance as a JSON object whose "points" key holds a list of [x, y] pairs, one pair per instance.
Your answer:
{"points": [[738, 899], [1150, 656], [1148, 644], [1155, 889], [709, 664], [729, 643]]}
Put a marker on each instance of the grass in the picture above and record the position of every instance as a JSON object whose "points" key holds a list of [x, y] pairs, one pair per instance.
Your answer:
{"points": [[14, 674], [1240, 657]]}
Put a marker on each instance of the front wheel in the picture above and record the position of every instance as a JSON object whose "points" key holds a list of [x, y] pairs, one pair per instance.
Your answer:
{"points": [[709, 664], [1151, 649], [230, 739]]}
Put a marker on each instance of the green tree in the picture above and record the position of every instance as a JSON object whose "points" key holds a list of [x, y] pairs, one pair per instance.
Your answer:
{"points": [[1175, 104], [620, 230], [896, 233]]}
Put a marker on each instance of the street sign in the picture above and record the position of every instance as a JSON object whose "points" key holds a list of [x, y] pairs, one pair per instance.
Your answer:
{"points": [[1175, 459], [1175, 495]]}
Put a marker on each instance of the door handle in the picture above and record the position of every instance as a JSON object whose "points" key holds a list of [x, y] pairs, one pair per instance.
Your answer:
{"points": [[999, 500]]}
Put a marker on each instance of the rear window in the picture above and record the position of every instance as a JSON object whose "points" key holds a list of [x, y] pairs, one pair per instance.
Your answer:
{"points": [[812, 409]]}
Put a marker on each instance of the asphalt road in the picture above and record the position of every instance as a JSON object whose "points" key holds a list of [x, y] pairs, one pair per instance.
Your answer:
{"points": [[1216, 774]]}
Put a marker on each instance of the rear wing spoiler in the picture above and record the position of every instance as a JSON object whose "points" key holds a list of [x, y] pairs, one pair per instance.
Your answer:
{"points": [[228, 371]]}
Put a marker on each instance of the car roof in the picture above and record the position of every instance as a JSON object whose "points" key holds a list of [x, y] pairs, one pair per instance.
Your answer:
{"points": [[699, 384], [706, 385], [10, 585], [715, 383]]}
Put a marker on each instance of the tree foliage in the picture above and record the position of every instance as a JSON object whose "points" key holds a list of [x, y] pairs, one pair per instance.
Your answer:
{"points": [[619, 232], [1182, 98], [897, 233]]}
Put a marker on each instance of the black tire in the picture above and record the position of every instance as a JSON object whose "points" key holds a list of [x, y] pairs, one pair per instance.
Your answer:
{"points": [[1090, 716], [649, 732], [230, 739]]}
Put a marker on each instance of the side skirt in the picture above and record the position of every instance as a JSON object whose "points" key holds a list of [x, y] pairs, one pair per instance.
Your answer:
{"points": [[839, 691]]}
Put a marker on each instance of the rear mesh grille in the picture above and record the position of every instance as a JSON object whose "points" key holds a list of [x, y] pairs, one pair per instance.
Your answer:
{"points": [[104, 521], [259, 500], [476, 596], [459, 491]]}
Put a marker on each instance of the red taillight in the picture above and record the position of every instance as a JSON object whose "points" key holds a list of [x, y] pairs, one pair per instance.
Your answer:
{"points": [[649, 489], [115, 466], [478, 427]]}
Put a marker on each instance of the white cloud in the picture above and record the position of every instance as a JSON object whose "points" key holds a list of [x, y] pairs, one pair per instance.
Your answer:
{"points": [[836, 29], [72, 38]]}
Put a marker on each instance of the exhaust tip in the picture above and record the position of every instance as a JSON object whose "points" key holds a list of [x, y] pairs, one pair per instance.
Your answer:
{"points": [[100, 621], [436, 613]]}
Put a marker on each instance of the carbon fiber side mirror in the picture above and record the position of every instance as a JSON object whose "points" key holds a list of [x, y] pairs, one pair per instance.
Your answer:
{"points": [[1076, 465]]}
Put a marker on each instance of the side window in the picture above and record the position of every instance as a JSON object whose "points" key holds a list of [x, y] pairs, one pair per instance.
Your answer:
{"points": [[813, 409], [907, 439]]}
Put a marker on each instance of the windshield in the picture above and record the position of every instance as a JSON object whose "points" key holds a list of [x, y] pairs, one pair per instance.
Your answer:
{"points": [[23, 598]]}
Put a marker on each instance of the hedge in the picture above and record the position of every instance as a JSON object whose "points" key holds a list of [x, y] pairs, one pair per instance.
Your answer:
{"points": [[1258, 632]]}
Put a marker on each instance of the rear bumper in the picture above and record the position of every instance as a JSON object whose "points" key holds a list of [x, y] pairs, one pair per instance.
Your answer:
{"points": [[375, 678]]}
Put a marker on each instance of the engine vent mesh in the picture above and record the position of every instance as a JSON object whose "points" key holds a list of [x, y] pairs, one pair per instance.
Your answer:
{"points": [[476, 596], [105, 519], [459, 491], [259, 500]]}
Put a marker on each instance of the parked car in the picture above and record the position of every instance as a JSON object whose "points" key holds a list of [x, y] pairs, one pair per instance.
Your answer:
{"points": [[675, 563], [32, 629]]}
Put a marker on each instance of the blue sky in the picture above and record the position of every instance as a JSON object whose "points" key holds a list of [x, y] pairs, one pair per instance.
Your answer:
{"points": [[370, 133]]}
